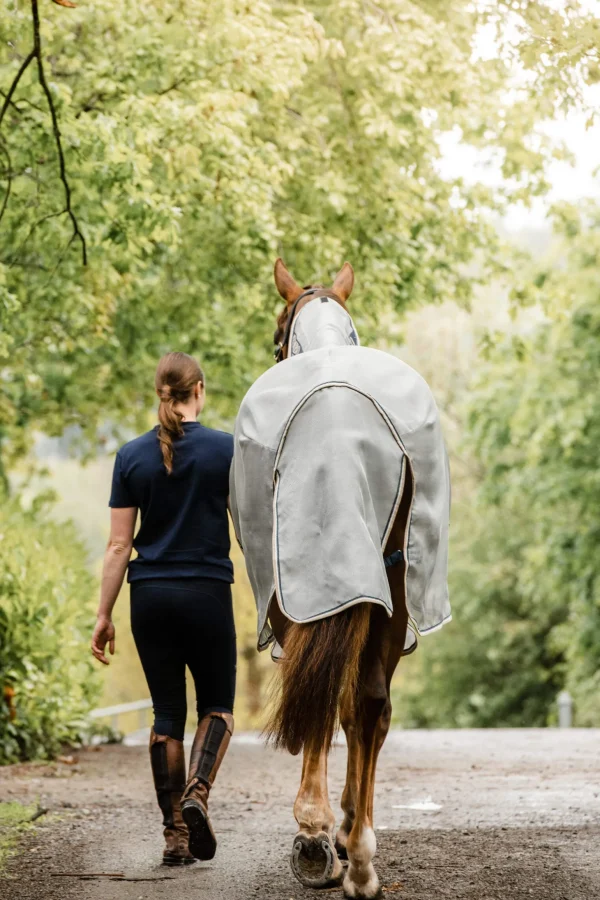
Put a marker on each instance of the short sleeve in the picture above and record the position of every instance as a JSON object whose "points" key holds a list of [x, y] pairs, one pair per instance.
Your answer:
{"points": [[120, 496]]}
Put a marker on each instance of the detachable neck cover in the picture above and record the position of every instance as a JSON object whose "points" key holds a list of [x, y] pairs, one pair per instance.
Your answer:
{"points": [[321, 323]]}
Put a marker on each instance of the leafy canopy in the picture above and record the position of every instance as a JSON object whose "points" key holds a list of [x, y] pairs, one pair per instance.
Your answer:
{"points": [[201, 140]]}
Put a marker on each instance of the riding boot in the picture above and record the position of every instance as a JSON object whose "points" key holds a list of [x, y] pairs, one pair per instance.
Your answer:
{"points": [[168, 768], [210, 745]]}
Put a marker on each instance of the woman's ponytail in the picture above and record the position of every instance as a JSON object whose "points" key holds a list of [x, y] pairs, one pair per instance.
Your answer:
{"points": [[176, 376], [169, 427]]}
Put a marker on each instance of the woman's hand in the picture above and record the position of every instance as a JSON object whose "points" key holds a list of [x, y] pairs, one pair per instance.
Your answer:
{"points": [[116, 558], [104, 633]]}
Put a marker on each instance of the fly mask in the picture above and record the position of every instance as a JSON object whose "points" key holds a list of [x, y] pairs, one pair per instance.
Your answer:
{"points": [[329, 324], [321, 323]]}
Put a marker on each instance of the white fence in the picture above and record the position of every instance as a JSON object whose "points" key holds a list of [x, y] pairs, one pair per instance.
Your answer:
{"points": [[113, 712], [564, 703], [565, 709]]}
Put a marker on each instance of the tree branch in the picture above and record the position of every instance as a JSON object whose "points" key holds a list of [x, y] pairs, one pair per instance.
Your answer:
{"points": [[9, 175], [173, 87], [16, 79], [90, 104], [17, 108], [11, 103], [45, 218], [37, 52], [24, 265]]}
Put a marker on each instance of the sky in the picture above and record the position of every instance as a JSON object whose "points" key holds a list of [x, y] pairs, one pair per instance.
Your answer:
{"points": [[569, 182]]}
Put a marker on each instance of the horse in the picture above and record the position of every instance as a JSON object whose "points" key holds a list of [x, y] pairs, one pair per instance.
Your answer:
{"points": [[338, 667]]}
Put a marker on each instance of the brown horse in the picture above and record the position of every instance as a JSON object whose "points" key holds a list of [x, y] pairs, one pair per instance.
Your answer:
{"points": [[337, 668]]}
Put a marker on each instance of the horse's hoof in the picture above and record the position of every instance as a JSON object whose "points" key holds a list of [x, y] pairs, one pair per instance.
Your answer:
{"points": [[354, 896], [314, 861], [366, 890]]}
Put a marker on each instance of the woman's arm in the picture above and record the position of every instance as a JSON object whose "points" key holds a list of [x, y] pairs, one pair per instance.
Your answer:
{"points": [[116, 559]]}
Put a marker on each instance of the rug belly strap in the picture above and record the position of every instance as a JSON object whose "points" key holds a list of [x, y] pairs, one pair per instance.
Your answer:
{"points": [[393, 559]]}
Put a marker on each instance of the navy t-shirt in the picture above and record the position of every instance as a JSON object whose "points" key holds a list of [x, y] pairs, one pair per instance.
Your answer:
{"points": [[184, 530]]}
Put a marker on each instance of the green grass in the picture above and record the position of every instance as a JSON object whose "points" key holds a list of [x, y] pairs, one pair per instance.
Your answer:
{"points": [[15, 820]]}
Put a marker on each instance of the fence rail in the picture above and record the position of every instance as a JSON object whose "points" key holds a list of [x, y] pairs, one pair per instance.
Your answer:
{"points": [[113, 712], [564, 703], [565, 710]]}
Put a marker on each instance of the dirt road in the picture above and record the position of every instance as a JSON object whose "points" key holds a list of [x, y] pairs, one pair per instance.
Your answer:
{"points": [[467, 815]]}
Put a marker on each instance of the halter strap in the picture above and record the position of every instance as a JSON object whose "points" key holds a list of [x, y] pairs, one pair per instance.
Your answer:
{"points": [[314, 292]]}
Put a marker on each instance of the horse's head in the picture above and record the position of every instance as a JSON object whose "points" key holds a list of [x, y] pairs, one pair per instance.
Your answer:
{"points": [[297, 297]]}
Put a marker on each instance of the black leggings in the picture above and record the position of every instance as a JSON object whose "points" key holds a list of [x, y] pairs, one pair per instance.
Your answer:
{"points": [[179, 622]]}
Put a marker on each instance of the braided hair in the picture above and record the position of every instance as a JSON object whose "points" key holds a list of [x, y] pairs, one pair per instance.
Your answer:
{"points": [[176, 376]]}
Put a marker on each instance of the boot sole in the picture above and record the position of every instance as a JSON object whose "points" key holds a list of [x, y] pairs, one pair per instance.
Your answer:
{"points": [[177, 861], [202, 842]]}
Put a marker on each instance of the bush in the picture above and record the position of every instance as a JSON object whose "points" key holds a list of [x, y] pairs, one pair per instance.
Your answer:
{"points": [[47, 680]]}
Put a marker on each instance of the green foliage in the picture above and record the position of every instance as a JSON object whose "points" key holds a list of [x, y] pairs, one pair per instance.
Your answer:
{"points": [[497, 663], [525, 563], [542, 429], [201, 140], [45, 621]]}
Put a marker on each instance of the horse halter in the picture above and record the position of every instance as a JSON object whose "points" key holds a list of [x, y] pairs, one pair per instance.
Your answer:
{"points": [[310, 292]]}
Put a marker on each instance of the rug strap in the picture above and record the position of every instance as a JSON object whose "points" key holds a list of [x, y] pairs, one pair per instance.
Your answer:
{"points": [[393, 559]]}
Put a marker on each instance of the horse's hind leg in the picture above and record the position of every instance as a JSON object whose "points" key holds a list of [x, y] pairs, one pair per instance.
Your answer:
{"points": [[353, 772], [314, 860], [367, 728], [373, 715]]}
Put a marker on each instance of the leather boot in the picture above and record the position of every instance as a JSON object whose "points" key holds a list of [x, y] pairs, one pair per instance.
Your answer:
{"points": [[210, 745], [168, 768]]}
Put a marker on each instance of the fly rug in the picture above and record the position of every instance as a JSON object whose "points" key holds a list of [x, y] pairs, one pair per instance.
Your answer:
{"points": [[340, 496]]}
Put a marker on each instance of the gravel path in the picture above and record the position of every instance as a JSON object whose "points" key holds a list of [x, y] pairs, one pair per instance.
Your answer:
{"points": [[467, 815]]}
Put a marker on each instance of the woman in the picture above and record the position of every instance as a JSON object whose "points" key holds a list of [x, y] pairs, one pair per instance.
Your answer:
{"points": [[177, 476]]}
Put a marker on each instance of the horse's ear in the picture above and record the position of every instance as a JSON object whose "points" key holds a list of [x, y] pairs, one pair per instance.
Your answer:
{"points": [[289, 289], [344, 282]]}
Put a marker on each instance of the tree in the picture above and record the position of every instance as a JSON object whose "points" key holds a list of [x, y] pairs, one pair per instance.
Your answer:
{"points": [[201, 140], [543, 446], [526, 570]]}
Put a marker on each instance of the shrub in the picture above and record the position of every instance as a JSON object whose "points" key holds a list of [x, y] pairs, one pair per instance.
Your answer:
{"points": [[47, 680]]}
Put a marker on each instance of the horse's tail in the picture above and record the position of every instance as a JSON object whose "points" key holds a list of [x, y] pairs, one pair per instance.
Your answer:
{"points": [[320, 667]]}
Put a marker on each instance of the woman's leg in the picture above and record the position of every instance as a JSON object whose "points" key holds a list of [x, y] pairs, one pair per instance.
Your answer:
{"points": [[211, 657], [210, 647], [155, 627]]}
